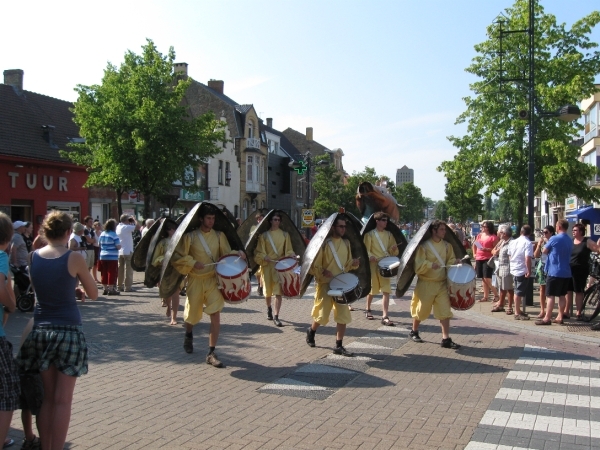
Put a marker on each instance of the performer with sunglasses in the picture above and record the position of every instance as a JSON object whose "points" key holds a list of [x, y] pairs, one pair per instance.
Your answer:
{"points": [[380, 243], [272, 245]]}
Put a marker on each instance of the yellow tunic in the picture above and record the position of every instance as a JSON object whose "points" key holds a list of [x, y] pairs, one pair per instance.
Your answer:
{"points": [[203, 287], [379, 283], [159, 252], [264, 249], [431, 289], [323, 302]]}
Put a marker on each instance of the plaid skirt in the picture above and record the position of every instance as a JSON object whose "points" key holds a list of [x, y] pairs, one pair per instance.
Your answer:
{"points": [[9, 378], [59, 345]]}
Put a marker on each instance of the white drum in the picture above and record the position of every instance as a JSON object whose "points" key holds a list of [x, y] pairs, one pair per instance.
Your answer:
{"points": [[345, 288], [388, 266], [234, 279], [288, 272], [461, 286]]}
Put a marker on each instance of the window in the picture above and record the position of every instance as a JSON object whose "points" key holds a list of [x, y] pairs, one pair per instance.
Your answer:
{"points": [[220, 173], [250, 129], [253, 205], [250, 169], [591, 123], [273, 146], [591, 159], [261, 175], [228, 175], [245, 209], [299, 190]]}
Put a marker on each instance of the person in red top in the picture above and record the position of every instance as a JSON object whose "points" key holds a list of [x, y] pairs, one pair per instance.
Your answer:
{"points": [[483, 245]]}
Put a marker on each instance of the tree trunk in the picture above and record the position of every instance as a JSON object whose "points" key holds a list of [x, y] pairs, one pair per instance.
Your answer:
{"points": [[146, 206], [521, 211], [120, 193]]}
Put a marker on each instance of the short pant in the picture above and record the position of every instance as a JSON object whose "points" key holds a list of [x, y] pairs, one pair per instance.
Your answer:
{"points": [[9, 378], [379, 283], [483, 270], [578, 278], [430, 295], [324, 304], [203, 296], [521, 285], [62, 346], [90, 258], [505, 283], [556, 286]]}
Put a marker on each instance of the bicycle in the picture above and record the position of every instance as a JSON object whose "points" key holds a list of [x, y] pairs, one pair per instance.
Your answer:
{"points": [[591, 296]]}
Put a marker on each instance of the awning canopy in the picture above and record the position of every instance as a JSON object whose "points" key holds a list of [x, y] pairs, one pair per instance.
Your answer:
{"points": [[587, 213]]}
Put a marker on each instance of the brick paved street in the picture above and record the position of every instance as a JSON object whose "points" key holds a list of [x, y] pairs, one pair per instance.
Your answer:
{"points": [[144, 391]]}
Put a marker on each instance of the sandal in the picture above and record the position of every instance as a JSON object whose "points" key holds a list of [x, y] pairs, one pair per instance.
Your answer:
{"points": [[368, 315], [509, 312], [498, 309], [387, 322], [521, 316], [543, 322], [483, 300], [559, 322]]}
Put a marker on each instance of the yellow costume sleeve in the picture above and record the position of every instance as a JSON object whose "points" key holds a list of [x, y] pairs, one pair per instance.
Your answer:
{"points": [[450, 258], [288, 246], [422, 264], [391, 243], [349, 264], [317, 267], [224, 247], [181, 259], [159, 252], [369, 245], [260, 252]]}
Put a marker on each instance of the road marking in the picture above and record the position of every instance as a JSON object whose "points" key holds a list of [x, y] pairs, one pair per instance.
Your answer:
{"points": [[553, 398]]}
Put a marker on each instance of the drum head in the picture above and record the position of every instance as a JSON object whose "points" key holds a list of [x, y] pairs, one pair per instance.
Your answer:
{"points": [[285, 264], [461, 274], [388, 261], [344, 282], [231, 266]]}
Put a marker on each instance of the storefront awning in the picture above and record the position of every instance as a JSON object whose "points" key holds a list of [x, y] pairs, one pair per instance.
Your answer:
{"points": [[588, 213]]}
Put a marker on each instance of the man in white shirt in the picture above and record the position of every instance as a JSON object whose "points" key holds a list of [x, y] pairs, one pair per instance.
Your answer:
{"points": [[520, 252], [124, 230]]}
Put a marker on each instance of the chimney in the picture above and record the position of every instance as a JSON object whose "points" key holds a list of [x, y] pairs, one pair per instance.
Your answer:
{"points": [[309, 133], [269, 122], [180, 68], [14, 78], [216, 85]]}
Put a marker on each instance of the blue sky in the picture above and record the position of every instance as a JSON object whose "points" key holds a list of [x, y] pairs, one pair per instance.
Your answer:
{"points": [[382, 80]]}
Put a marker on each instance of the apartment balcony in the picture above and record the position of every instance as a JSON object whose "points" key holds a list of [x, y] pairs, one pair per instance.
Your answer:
{"points": [[253, 143], [253, 187]]}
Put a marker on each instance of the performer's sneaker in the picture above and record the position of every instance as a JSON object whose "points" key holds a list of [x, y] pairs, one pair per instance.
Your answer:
{"points": [[414, 335], [447, 343], [310, 340], [188, 344], [342, 351], [212, 359], [277, 322], [269, 313]]}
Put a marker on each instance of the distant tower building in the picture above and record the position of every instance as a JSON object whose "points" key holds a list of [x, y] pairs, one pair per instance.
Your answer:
{"points": [[404, 175]]}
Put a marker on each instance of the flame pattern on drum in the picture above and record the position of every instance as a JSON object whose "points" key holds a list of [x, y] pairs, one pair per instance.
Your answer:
{"points": [[462, 302], [235, 290], [290, 283]]}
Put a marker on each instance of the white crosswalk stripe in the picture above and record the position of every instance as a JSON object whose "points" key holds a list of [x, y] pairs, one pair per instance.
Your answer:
{"points": [[552, 398]]}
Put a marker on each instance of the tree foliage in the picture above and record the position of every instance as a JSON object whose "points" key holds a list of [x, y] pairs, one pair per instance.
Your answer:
{"points": [[413, 203], [137, 134], [493, 156], [328, 185]]}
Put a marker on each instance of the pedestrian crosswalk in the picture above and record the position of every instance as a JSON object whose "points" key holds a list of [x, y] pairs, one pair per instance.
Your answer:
{"points": [[548, 401]]}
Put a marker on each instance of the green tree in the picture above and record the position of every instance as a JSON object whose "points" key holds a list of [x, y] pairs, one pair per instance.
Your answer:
{"points": [[441, 210], [348, 196], [410, 196], [328, 186], [493, 155], [137, 133]]}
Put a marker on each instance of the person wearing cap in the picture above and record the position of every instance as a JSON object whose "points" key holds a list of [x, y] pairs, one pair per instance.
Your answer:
{"points": [[18, 252]]}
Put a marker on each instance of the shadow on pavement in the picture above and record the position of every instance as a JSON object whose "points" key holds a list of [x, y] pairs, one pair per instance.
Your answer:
{"points": [[436, 364]]}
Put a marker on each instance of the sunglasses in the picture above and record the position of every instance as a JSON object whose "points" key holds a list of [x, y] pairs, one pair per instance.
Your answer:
{"points": [[382, 220]]}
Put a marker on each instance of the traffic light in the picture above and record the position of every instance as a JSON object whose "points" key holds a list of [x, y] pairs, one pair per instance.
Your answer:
{"points": [[302, 168]]}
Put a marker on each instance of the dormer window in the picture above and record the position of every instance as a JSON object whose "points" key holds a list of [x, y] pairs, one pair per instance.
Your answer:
{"points": [[250, 129]]}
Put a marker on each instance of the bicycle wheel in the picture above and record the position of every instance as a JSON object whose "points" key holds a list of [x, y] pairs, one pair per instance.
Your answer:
{"points": [[591, 302]]}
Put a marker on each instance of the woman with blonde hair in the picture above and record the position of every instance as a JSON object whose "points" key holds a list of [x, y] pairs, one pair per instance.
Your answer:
{"points": [[503, 276], [56, 346]]}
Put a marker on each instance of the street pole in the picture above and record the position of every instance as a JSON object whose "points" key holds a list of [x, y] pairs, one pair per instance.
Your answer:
{"points": [[308, 185], [532, 131]]}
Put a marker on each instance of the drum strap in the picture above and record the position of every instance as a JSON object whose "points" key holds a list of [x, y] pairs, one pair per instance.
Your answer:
{"points": [[273, 243], [381, 243], [335, 255], [437, 255], [205, 245]]}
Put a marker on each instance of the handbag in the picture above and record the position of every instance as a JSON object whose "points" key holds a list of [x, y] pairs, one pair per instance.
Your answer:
{"points": [[491, 263]]}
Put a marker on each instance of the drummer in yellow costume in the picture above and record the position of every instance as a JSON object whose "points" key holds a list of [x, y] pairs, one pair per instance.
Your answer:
{"points": [[272, 246], [257, 274], [159, 254], [190, 258], [374, 240], [431, 290], [324, 268]]}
